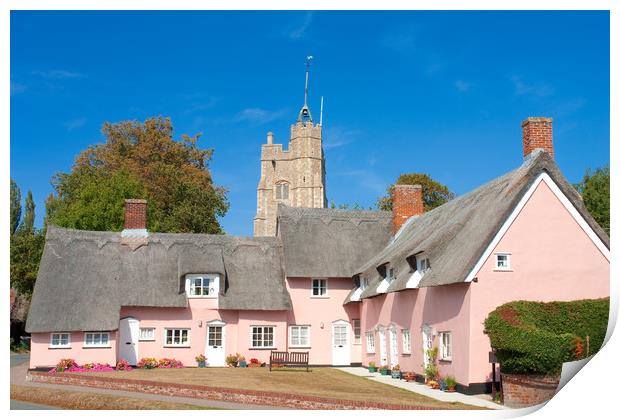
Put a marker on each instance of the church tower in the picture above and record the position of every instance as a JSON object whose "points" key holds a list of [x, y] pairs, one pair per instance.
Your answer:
{"points": [[295, 177]]}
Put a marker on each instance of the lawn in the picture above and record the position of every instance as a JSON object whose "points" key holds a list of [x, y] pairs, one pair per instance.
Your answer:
{"points": [[321, 382], [72, 400]]}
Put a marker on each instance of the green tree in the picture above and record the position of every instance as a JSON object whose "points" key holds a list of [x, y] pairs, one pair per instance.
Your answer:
{"points": [[434, 193], [594, 189], [16, 206], [140, 160], [27, 225]]}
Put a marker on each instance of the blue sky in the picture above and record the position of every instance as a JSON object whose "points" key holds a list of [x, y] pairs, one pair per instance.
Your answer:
{"points": [[436, 92]]}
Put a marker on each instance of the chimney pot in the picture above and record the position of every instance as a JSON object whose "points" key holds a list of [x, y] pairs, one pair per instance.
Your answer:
{"points": [[537, 134], [407, 201], [270, 138]]}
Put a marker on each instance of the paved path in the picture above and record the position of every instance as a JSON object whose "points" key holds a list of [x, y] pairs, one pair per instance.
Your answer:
{"points": [[423, 389], [18, 377], [20, 405]]}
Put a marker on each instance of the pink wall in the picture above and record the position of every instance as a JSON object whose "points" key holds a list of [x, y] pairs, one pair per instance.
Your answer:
{"points": [[552, 259], [320, 313], [443, 308], [43, 356]]}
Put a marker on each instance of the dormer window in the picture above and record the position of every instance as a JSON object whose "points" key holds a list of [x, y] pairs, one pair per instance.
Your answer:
{"points": [[389, 276], [423, 265], [282, 191], [364, 283], [202, 285]]}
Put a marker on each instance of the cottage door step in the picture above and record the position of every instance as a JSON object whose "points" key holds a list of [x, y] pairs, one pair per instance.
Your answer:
{"points": [[341, 350], [215, 352], [129, 330]]}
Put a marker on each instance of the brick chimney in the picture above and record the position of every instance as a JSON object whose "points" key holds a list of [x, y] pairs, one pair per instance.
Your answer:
{"points": [[406, 202], [537, 134], [135, 235]]}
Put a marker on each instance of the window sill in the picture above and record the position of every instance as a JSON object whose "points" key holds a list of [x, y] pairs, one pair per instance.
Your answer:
{"points": [[59, 348], [319, 297], [503, 269], [262, 348], [446, 360], [406, 353], [177, 347], [96, 347], [202, 297], [299, 347], [146, 340], [371, 352]]}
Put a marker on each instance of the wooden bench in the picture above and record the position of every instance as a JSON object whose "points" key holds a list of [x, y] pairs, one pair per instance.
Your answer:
{"points": [[292, 358]]}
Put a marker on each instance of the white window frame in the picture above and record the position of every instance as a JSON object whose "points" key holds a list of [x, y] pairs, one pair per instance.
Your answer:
{"points": [[151, 336], [356, 325], [281, 187], [263, 346], [180, 344], [389, 274], [101, 335], [445, 351], [423, 265], [213, 289], [319, 296], [364, 283], [370, 342], [299, 328], [508, 266], [406, 335], [60, 345]]}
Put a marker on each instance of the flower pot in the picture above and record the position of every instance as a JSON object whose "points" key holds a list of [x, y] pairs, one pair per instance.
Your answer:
{"points": [[396, 374], [384, 372], [372, 369], [243, 364], [202, 364], [451, 390]]}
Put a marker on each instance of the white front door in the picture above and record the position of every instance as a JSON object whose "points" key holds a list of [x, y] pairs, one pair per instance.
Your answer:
{"points": [[382, 347], [215, 351], [341, 348], [129, 332], [393, 347], [427, 342]]}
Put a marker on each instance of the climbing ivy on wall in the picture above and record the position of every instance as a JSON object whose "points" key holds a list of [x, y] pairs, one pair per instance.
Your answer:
{"points": [[536, 337]]}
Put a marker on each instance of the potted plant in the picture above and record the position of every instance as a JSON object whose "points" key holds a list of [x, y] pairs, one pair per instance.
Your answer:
{"points": [[450, 384], [147, 363], [201, 360], [241, 361], [396, 373], [372, 367], [232, 360], [384, 370], [442, 384], [431, 371], [254, 362], [433, 384], [409, 376]]}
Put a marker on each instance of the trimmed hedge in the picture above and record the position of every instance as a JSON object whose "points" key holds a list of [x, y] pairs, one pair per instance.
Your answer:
{"points": [[536, 337]]}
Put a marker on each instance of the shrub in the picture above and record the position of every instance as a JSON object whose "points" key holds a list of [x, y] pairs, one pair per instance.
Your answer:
{"points": [[232, 359], [65, 365], [69, 365], [123, 365], [254, 361], [166, 363], [536, 337], [372, 364], [147, 363], [396, 368], [201, 358], [431, 371], [450, 382]]}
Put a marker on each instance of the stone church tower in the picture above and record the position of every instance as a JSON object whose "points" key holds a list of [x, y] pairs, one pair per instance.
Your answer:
{"points": [[295, 177]]}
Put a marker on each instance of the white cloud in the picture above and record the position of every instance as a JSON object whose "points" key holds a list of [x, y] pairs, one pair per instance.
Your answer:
{"points": [[336, 136], [58, 74], [367, 179], [75, 123], [523, 88], [259, 115], [300, 31], [462, 86]]}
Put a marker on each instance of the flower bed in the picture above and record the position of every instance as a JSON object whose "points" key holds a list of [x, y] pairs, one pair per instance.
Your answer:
{"points": [[69, 365]]}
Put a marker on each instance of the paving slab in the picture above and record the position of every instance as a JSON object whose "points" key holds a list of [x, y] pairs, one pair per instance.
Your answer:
{"points": [[423, 389]]}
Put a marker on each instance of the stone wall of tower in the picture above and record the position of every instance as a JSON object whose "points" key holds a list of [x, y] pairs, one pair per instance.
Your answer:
{"points": [[301, 167]]}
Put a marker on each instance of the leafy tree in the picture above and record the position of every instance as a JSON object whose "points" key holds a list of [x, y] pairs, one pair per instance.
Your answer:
{"points": [[594, 188], [140, 160], [16, 206], [434, 193], [27, 225]]}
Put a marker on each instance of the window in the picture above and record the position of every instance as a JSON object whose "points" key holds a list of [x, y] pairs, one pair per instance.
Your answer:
{"points": [[423, 265], [319, 287], [370, 342], [389, 274], [357, 331], [147, 334], [96, 339], [202, 285], [364, 283], [282, 191], [177, 337], [445, 345], [300, 336], [60, 340], [262, 336], [406, 342], [502, 262]]}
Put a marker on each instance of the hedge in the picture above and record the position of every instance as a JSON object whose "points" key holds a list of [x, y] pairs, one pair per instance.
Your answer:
{"points": [[536, 337]]}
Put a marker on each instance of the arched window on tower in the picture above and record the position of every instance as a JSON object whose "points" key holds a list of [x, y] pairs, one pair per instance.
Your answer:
{"points": [[282, 191]]}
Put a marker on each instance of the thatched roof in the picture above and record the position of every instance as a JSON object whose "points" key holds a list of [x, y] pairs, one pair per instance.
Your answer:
{"points": [[85, 277], [455, 235], [321, 242]]}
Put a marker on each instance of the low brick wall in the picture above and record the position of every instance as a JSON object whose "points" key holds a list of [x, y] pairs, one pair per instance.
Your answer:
{"points": [[527, 390], [274, 399]]}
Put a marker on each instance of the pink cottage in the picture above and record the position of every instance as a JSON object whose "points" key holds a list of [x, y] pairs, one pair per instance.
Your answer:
{"points": [[349, 287]]}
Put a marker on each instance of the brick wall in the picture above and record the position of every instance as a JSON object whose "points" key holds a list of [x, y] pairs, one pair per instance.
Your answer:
{"points": [[528, 390], [537, 134], [406, 202], [135, 214]]}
